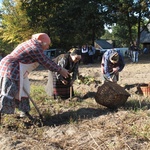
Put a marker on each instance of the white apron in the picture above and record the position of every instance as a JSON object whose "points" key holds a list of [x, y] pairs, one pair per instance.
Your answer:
{"points": [[49, 86], [25, 69]]}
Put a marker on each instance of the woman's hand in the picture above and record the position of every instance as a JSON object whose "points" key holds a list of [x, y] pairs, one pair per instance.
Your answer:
{"points": [[64, 72], [111, 80], [64, 82], [115, 70]]}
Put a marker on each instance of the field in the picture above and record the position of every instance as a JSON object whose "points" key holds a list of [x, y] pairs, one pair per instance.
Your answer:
{"points": [[80, 123]]}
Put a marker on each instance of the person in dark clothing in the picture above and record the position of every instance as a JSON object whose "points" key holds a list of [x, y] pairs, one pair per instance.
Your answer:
{"points": [[85, 55], [112, 63], [91, 53], [135, 52], [61, 86]]}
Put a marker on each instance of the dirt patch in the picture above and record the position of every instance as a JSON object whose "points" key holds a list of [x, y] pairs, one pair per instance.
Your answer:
{"points": [[82, 124]]}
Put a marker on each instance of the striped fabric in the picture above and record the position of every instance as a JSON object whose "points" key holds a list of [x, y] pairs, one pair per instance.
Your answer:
{"points": [[27, 52], [61, 90]]}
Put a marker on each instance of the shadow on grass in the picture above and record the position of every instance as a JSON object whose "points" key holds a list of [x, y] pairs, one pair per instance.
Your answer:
{"points": [[89, 113], [75, 116], [89, 95], [136, 105]]}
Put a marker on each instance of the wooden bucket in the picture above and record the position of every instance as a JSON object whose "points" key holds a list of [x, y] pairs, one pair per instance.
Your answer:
{"points": [[145, 90]]}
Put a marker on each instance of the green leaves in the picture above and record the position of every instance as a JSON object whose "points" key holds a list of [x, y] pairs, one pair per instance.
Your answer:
{"points": [[71, 22]]}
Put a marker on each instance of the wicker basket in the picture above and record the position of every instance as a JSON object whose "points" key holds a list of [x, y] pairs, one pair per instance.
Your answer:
{"points": [[111, 95]]}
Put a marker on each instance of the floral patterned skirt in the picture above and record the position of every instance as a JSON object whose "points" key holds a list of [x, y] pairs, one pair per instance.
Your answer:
{"points": [[8, 103]]}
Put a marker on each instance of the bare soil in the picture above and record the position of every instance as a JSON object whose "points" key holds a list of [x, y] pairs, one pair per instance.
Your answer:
{"points": [[81, 123]]}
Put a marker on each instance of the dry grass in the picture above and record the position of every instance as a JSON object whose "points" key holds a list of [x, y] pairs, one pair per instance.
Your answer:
{"points": [[81, 123], [76, 125]]}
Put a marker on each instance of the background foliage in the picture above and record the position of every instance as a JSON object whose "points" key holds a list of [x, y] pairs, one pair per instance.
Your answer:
{"points": [[72, 22]]}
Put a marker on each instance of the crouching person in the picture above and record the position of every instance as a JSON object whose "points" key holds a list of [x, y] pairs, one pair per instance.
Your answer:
{"points": [[63, 87], [112, 63]]}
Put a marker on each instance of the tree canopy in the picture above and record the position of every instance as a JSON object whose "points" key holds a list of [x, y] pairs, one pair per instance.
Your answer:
{"points": [[73, 22]]}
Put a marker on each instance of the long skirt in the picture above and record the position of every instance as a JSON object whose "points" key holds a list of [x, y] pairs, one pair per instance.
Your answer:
{"points": [[61, 90], [8, 103], [85, 58]]}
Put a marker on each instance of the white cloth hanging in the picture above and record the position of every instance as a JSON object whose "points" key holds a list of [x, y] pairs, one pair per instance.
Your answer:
{"points": [[25, 69], [49, 86]]}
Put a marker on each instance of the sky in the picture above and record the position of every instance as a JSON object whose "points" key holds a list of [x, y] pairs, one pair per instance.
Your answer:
{"points": [[0, 2]]}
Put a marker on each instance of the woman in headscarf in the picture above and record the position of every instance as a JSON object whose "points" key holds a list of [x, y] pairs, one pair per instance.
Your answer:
{"points": [[112, 63], [61, 86]]}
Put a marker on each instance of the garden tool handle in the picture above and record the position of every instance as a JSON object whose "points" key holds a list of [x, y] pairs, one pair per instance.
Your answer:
{"points": [[70, 92], [33, 103]]}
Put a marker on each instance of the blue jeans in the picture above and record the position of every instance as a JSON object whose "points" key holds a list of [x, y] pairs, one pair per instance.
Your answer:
{"points": [[135, 56]]}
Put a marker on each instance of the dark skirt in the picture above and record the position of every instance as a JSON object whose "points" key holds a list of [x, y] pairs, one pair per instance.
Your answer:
{"points": [[85, 58], [61, 90]]}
